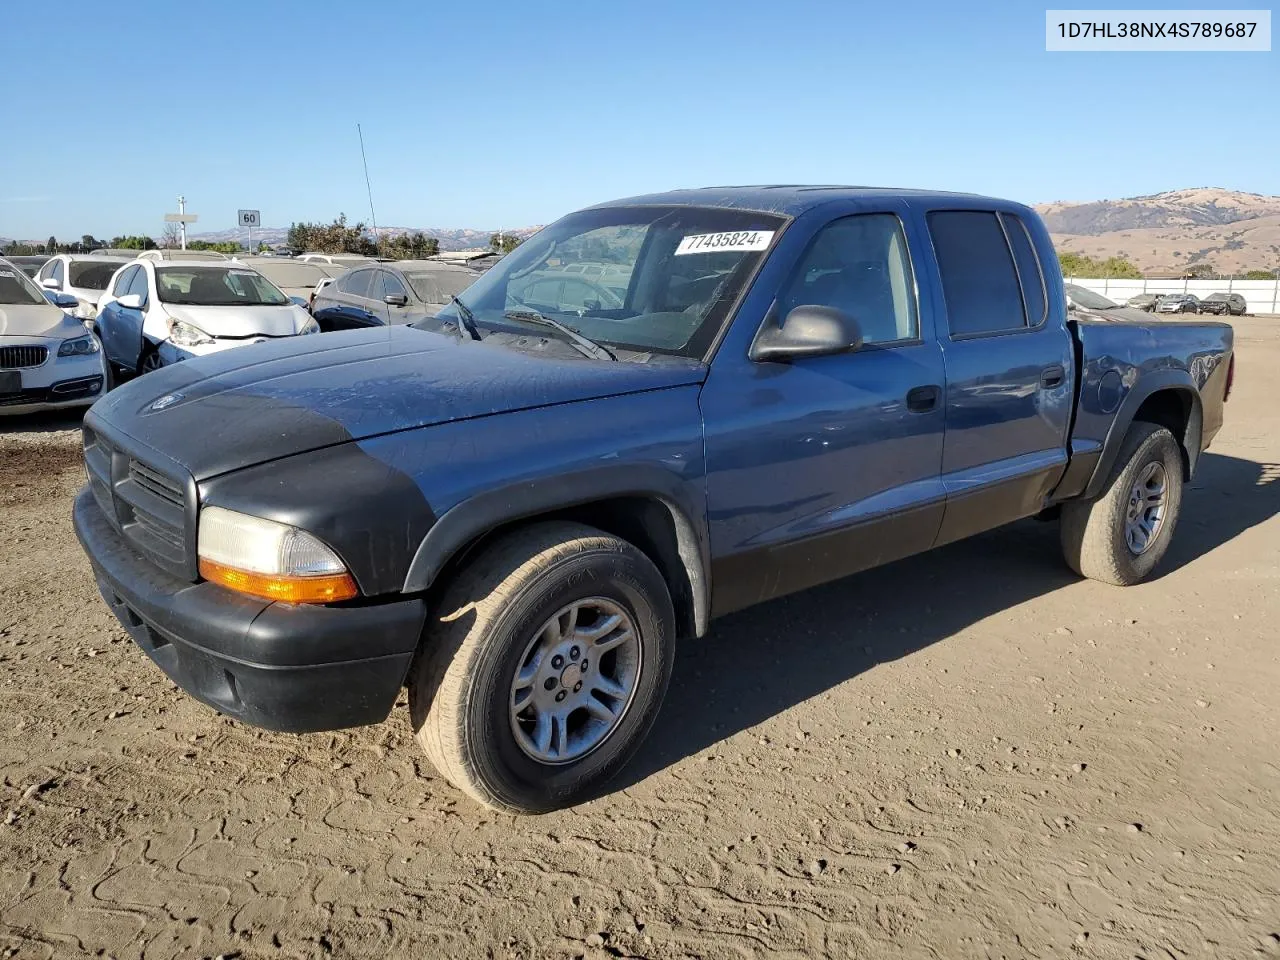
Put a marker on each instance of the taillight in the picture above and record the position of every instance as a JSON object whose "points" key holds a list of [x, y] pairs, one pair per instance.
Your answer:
{"points": [[1231, 378]]}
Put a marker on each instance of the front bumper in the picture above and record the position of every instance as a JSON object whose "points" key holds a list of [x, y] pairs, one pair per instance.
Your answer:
{"points": [[274, 665]]}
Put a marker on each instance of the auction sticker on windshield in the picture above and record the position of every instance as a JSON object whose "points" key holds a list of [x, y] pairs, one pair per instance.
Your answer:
{"points": [[740, 240]]}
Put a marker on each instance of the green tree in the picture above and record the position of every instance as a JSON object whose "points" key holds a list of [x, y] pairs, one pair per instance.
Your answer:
{"points": [[1200, 271], [1080, 265], [224, 246], [263, 248], [51, 245], [503, 242], [336, 237], [133, 243], [409, 246], [1262, 274]]}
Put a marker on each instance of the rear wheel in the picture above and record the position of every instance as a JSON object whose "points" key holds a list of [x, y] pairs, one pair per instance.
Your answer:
{"points": [[1121, 535], [545, 669]]}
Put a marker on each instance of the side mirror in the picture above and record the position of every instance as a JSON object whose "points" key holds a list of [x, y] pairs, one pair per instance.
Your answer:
{"points": [[130, 301], [50, 284], [1071, 307], [807, 331], [300, 301], [396, 299], [65, 300]]}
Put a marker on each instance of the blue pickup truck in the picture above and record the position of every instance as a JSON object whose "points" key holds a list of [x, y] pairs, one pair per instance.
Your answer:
{"points": [[653, 412]]}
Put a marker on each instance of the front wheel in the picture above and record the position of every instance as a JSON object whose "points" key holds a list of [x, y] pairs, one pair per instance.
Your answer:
{"points": [[1121, 535], [545, 669]]}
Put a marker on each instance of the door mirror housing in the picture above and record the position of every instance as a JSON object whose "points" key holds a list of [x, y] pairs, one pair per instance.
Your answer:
{"points": [[808, 330], [49, 283], [130, 301], [300, 302], [64, 300], [396, 299]]}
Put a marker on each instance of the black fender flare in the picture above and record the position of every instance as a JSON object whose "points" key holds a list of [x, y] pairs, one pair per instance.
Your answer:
{"points": [[1148, 385], [473, 517]]}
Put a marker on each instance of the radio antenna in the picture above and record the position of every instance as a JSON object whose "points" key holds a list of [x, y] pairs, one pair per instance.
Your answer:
{"points": [[367, 185]]}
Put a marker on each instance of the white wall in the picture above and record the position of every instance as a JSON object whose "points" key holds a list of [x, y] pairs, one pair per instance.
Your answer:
{"points": [[1263, 295]]}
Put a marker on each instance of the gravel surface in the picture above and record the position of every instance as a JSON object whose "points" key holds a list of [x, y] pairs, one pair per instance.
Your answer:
{"points": [[966, 754]]}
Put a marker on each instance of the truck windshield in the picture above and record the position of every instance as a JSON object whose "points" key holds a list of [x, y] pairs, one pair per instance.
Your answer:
{"points": [[659, 279]]}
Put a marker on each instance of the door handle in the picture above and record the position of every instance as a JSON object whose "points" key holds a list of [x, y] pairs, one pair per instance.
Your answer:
{"points": [[923, 399], [1051, 377]]}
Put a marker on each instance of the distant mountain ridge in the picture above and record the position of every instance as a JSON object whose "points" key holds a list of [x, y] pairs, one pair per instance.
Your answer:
{"points": [[1230, 230]]}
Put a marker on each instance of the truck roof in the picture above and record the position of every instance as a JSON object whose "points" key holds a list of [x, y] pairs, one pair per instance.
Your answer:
{"points": [[788, 199]]}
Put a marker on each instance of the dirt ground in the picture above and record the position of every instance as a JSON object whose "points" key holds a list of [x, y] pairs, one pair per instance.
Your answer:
{"points": [[967, 754]]}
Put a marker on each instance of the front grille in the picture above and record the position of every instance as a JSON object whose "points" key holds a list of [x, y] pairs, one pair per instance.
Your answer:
{"points": [[147, 503], [13, 358]]}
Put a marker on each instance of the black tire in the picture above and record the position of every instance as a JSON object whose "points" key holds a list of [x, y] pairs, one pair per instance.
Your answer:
{"points": [[1093, 531], [460, 685], [150, 358]]}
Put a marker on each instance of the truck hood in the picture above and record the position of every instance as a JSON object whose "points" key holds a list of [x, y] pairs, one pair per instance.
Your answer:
{"points": [[237, 408], [38, 320], [281, 321]]}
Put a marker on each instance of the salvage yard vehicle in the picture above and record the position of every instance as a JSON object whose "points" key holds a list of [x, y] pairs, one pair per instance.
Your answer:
{"points": [[188, 255], [1178, 303], [295, 278], [159, 312], [388, 293], [1224, 304], [29, 264], [80, 275], [1145, 302], [48, 360], [521, 510]]}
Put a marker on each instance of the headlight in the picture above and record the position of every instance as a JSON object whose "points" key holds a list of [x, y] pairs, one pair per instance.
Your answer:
{"points": [[185, 334], [270, 560], [78, 347], [85, 311], [309, 327]]}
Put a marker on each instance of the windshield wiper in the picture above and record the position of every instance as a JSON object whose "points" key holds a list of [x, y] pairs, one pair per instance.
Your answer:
{"points": [[585, 345], [467, 319]]}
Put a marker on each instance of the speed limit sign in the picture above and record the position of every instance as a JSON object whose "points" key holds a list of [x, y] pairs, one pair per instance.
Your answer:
{"points": [[250, 218]]}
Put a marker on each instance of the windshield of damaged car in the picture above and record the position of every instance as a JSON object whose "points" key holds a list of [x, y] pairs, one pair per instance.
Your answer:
{"points": [[659, 279], [17, 288], [216, 287]]}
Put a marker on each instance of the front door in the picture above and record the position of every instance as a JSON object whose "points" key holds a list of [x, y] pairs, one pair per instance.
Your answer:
{"points": [[823, 466]]}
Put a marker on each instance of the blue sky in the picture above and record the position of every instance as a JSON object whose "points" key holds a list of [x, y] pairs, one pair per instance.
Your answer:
{"points": [[505, 114]]}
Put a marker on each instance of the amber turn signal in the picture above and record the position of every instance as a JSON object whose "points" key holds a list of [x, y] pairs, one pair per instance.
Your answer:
{"points": [[324, 588]]}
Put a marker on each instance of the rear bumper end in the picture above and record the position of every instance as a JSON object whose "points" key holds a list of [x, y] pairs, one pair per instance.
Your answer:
{"points": [[273, 665]]}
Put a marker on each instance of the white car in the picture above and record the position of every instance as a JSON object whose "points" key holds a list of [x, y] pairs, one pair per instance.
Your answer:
{"points": [[182, 255], [346, 260], [159, 312], [80, 275], [48, 360]]}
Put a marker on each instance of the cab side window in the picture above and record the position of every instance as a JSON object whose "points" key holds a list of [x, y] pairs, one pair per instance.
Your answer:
{"points": [[979, 280], [138, 285], [357, 283], [391, 286], [860, 265], [121, 286]]}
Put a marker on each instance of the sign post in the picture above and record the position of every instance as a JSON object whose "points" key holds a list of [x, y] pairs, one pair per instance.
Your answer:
{"points": [[182, 217], [250, 219]]}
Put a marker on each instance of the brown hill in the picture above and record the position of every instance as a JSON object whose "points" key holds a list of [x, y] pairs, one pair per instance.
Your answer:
{"points": [[1231, 231]]}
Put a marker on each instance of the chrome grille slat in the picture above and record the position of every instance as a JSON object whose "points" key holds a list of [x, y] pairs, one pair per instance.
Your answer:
{"points": [[16, 358]]}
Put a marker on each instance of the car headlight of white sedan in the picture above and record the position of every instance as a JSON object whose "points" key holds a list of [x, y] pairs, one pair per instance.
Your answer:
{"points": [[78, 347], [185, 334]]}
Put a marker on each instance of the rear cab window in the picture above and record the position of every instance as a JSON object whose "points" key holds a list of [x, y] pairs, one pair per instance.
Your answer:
{"points": [[992, 280]]}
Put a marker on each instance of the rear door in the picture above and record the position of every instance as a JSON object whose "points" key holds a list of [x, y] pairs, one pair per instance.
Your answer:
{"points": [[1009, 370], [345, 304]]}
